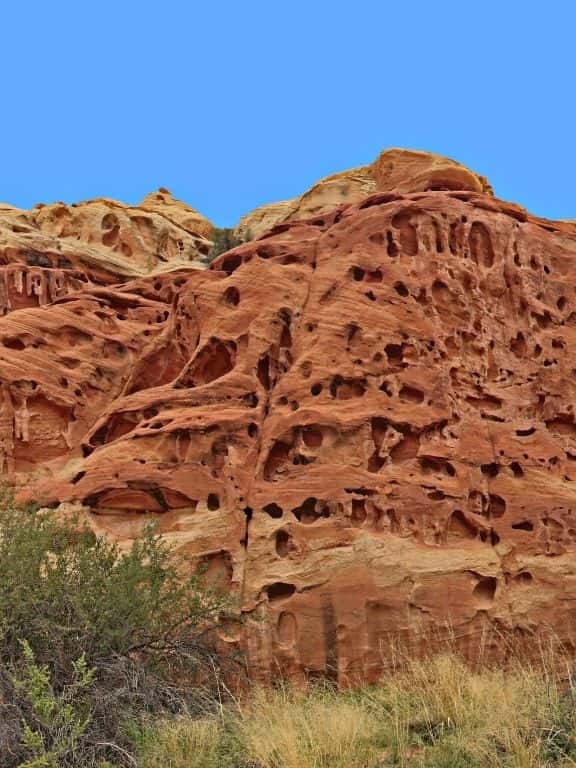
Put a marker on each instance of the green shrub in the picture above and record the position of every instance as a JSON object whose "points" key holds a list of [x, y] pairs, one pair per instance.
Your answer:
{"points": [[69, 592], [124, 628], [57, 721], [223, 240]]}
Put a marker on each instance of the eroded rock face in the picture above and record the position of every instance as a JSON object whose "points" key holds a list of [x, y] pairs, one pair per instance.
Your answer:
{"points": [[100, 241], [362, 423]]}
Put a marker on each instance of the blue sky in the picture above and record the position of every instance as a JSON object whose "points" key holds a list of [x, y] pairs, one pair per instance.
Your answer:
{"points": [[233, 104]]}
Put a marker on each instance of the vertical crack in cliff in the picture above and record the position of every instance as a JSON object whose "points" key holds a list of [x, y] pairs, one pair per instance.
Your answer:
{"points": [[264, 417]]}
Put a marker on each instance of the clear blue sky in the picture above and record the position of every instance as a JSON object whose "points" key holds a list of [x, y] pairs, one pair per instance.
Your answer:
{"points": [[233, 104]]}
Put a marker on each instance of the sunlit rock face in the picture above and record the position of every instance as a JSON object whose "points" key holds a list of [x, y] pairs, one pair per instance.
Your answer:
{"points": [[100, 241], [394, 170], [361, 423]]}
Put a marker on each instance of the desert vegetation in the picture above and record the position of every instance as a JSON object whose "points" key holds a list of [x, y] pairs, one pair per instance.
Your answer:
{"points": [[223, 239], [91, 639], [435, 713], [106, 661]]}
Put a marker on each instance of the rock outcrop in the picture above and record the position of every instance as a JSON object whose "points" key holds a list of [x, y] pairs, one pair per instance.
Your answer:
{"points": [[394, 170], [361, 423], [99, 241]]}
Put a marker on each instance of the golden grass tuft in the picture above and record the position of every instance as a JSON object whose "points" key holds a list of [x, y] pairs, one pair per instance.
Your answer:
{"points": [[287, 729], [183, 742]]}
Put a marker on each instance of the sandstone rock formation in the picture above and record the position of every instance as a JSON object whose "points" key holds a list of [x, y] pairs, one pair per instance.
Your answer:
{"points": [[361, 423], [99, 241], [394, 170]]}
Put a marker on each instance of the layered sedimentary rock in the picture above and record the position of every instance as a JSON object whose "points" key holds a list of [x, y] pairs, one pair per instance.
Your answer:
{"points": [[51, 248], [394, 170], [361, 423]]}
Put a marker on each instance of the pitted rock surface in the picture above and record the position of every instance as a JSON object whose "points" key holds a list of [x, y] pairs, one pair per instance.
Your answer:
{"points": [[361, 423], [98, 241]]}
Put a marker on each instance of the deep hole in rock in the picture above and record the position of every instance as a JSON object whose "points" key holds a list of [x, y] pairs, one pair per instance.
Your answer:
{"points": [[273, 510], [312, 437], [480, 243], [391, 247], [375, 462], [496, 505], [407, 232], [280, 591], [263, 371], [401, 289], [459, 527], [374, 276], [214, 360], [231, 264], [359, 514], [13, 342], [282, 543], [213, 502], [484, 592], [346, 389], [526, 432], [436, 465], [394, 353], [231, 296], [311, 510], [411, 395], [523, 525], [279, 455], [386, 388]]}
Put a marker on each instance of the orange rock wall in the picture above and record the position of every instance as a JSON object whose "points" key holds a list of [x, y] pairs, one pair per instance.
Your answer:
{"points": [[362, 423]]}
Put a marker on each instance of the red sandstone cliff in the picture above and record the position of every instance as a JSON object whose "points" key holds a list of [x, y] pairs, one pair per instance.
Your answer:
{"points": [[363, 422]]}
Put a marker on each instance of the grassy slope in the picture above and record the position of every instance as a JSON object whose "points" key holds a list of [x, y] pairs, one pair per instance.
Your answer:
{"points": [[437, 713]]}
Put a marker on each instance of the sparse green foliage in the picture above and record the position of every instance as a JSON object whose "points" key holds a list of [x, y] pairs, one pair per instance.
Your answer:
{"points": [[223, 240], [57, 720]]}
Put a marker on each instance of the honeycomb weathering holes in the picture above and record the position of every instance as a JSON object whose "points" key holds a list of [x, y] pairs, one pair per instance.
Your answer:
{"points": [[416, 352]]}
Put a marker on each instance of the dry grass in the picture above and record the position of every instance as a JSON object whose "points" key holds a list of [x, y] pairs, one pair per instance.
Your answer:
{"points": [[441, 713], [285, 729], [183, 743], [438, 714]]}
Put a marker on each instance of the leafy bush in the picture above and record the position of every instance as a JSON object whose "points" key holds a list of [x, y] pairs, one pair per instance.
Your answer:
{"points": [[125, 628], [69, 592]]}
